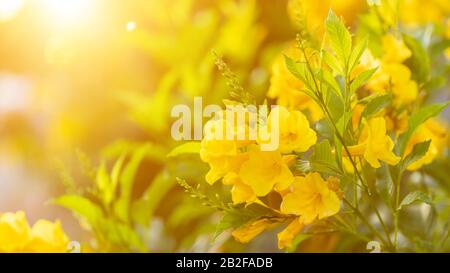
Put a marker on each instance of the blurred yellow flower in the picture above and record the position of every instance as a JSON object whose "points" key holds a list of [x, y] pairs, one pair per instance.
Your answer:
{"points": [[391, 75], [432, 130], [394, 50], [47, 237], [16, 235], [310, 198], [374, 144], [313, 13], [416, 12], [14, 231], [264, 171], [286, 236]]}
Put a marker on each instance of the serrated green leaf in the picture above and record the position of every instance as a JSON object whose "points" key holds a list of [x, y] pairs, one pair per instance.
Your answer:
{"points": [[300, 71], [321, 160], [340, 38], [326, 77], [413, 197], [419, 150], [361, 79], [192, 147], [416, 119], [332, 62], [377, 104], [357, 51]]}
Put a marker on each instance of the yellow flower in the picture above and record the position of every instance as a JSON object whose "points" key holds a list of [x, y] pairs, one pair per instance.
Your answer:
{"points": [[16, 235], [264, 171], [391, 74], [394, 50], [374, 144], [285, 87], [222, 155], [286, 236], [47, 237], [416, 12], [404, 89], [14, 231], [310, 198], [247, 232], [240, 193], [295, 133], [432, 130]]}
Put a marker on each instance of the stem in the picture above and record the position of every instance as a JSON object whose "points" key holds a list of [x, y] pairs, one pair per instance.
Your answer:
{"points": [[396, 212], [366, 222]]}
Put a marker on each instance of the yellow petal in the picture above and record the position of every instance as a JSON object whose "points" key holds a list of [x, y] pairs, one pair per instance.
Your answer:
{"points": [[286, 236], [47, 237], [247, 232], [14, 231]]}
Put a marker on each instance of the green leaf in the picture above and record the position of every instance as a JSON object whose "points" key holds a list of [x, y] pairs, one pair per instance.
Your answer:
{"points": [[192, 147], [238, 216], [361, 79], [377, 104], [416, 119], [121, 207], [332, 62], [326, 77], [115, 173], [340, 38], [419, 150], [413, 197], [300, 71], [321, 160], [419, 61], [357, 51], [142, 209], [81, 206]]}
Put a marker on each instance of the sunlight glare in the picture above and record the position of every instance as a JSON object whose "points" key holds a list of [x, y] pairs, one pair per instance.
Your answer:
{"points": [[69, 11], [9, 9]]}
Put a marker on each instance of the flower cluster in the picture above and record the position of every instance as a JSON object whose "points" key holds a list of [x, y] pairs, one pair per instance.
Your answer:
{"points": [[346, 108]]}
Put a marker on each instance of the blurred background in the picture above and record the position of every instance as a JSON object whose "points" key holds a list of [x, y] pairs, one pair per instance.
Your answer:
{"points": [[91, 76], [85, 80]]}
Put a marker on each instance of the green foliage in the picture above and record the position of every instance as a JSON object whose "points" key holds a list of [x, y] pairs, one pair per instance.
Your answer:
{"points": [[143, 209], [192, 147], [340, 39], [81, 206], [416, 119], [419, 150], [376, 104], [419, 62], [122, 206], [361, 79], [416, 196], [322, 160]]}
